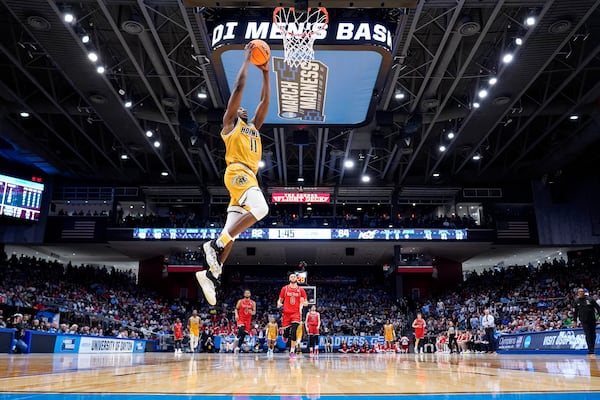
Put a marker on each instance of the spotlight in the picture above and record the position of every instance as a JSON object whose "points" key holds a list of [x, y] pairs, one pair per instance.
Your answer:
{"points": [[202, 95], [24, 114], [436, 175], [124, 157], [85, 38], [442, 148], [156, 144], [261, 164], [493, 81], [574, 117], [366, 178], [69, 17], [300, 179], [164, 173], [476, 157], [518, 41], [122, 92], [100, 69], [476, 105], [149, 133], [399, 95], [93, 56], [348, 164], [507, 58], [128, 104], [482, 94], [450, 135], [530, 21]]}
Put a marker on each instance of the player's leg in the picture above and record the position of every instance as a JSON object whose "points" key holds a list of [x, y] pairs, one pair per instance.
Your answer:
{"points": [[240, 337], [293, 332], [245, 193]]}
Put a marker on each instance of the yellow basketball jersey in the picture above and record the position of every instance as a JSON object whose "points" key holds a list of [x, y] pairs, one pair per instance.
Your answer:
{"points": [[271, 331], [194, 324], [243, 145], [388, 331]]}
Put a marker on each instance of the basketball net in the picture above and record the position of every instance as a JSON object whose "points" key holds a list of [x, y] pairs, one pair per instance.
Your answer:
{"points": [[299, 30]]}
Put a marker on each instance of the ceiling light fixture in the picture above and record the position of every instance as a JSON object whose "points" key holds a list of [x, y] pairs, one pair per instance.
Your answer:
{"points": [[442, 148], [202, 95], [476, 157], [124, 157], [261, 164], [530, 21], [68, 17], [507, 58], [493, 80], [85, 39], [156, 144], [476, 105], [574, 117], [518, 41], [149, 133], [300, 179], [348, 164], [100, 69], [482, 94], [399, 95], [128, 104], [366, 178], [450, 135], [93, 56], [24, 114], [436, 174], [164, 173]]}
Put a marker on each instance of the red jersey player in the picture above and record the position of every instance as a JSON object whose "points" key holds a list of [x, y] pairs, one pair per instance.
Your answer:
{"points": [[313, 324], [244, 310], [419, 325], [291, 298], [178, 333]]}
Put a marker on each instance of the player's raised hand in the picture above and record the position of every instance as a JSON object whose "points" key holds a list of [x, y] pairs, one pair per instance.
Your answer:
{"points": [[264, 67]]}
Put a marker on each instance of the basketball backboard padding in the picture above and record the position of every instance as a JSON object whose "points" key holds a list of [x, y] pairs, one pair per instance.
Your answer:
{"points": [[311, 3]]}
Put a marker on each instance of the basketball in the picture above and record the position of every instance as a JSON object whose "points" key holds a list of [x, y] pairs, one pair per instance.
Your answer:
{"points": [[261, 52]]}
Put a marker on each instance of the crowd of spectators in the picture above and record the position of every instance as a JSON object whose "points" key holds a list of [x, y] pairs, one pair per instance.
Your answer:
{"points": [[103, 301], [281, 217], [522, 298], [89, 299]]}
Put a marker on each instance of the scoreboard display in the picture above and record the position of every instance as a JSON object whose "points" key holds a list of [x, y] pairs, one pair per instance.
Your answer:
{"points": [[20, 198]]}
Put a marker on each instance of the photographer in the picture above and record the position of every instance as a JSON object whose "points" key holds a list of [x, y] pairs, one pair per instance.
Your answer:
{"points": [[19, 346]]}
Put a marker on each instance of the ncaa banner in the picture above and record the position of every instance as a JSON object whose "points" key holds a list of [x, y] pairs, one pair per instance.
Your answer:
{"points": [[67, 344], [562, 340]]}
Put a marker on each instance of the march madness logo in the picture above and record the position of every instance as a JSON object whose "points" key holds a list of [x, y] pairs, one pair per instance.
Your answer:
{"points": [[301, 90]]}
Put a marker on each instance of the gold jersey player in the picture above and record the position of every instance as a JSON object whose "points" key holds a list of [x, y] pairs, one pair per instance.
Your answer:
{"points": [[243, 152]]}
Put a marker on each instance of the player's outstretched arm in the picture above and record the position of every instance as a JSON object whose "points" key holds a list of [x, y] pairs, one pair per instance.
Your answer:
{"points": [[235, 100], [263, 105]]}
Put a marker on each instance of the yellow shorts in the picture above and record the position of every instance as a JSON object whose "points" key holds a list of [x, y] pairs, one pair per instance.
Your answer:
{"points": [[238, 179], [272, 337]]}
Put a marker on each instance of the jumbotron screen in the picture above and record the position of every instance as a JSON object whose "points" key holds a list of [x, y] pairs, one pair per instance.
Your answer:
{"points": [[20, 198]]}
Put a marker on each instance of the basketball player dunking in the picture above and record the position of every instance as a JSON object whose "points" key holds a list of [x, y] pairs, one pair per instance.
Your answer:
{"points": [[291, 298], [243, 152], [244, 310], [313, 325], [194, 328]]}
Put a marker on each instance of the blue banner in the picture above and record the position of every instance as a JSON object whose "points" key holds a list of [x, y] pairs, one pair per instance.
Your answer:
{"points": [[67, 344], [302, 234], [560, 341]]}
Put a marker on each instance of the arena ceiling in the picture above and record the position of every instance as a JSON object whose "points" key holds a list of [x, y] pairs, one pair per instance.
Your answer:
{"points": [[156, 54]]}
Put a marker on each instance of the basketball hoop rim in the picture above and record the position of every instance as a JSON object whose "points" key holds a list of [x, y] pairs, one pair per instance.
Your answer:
{"points": [[305, 34]]}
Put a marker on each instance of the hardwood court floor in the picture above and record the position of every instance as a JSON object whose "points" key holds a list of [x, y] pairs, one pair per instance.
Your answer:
{"points": [[246, 374]]}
